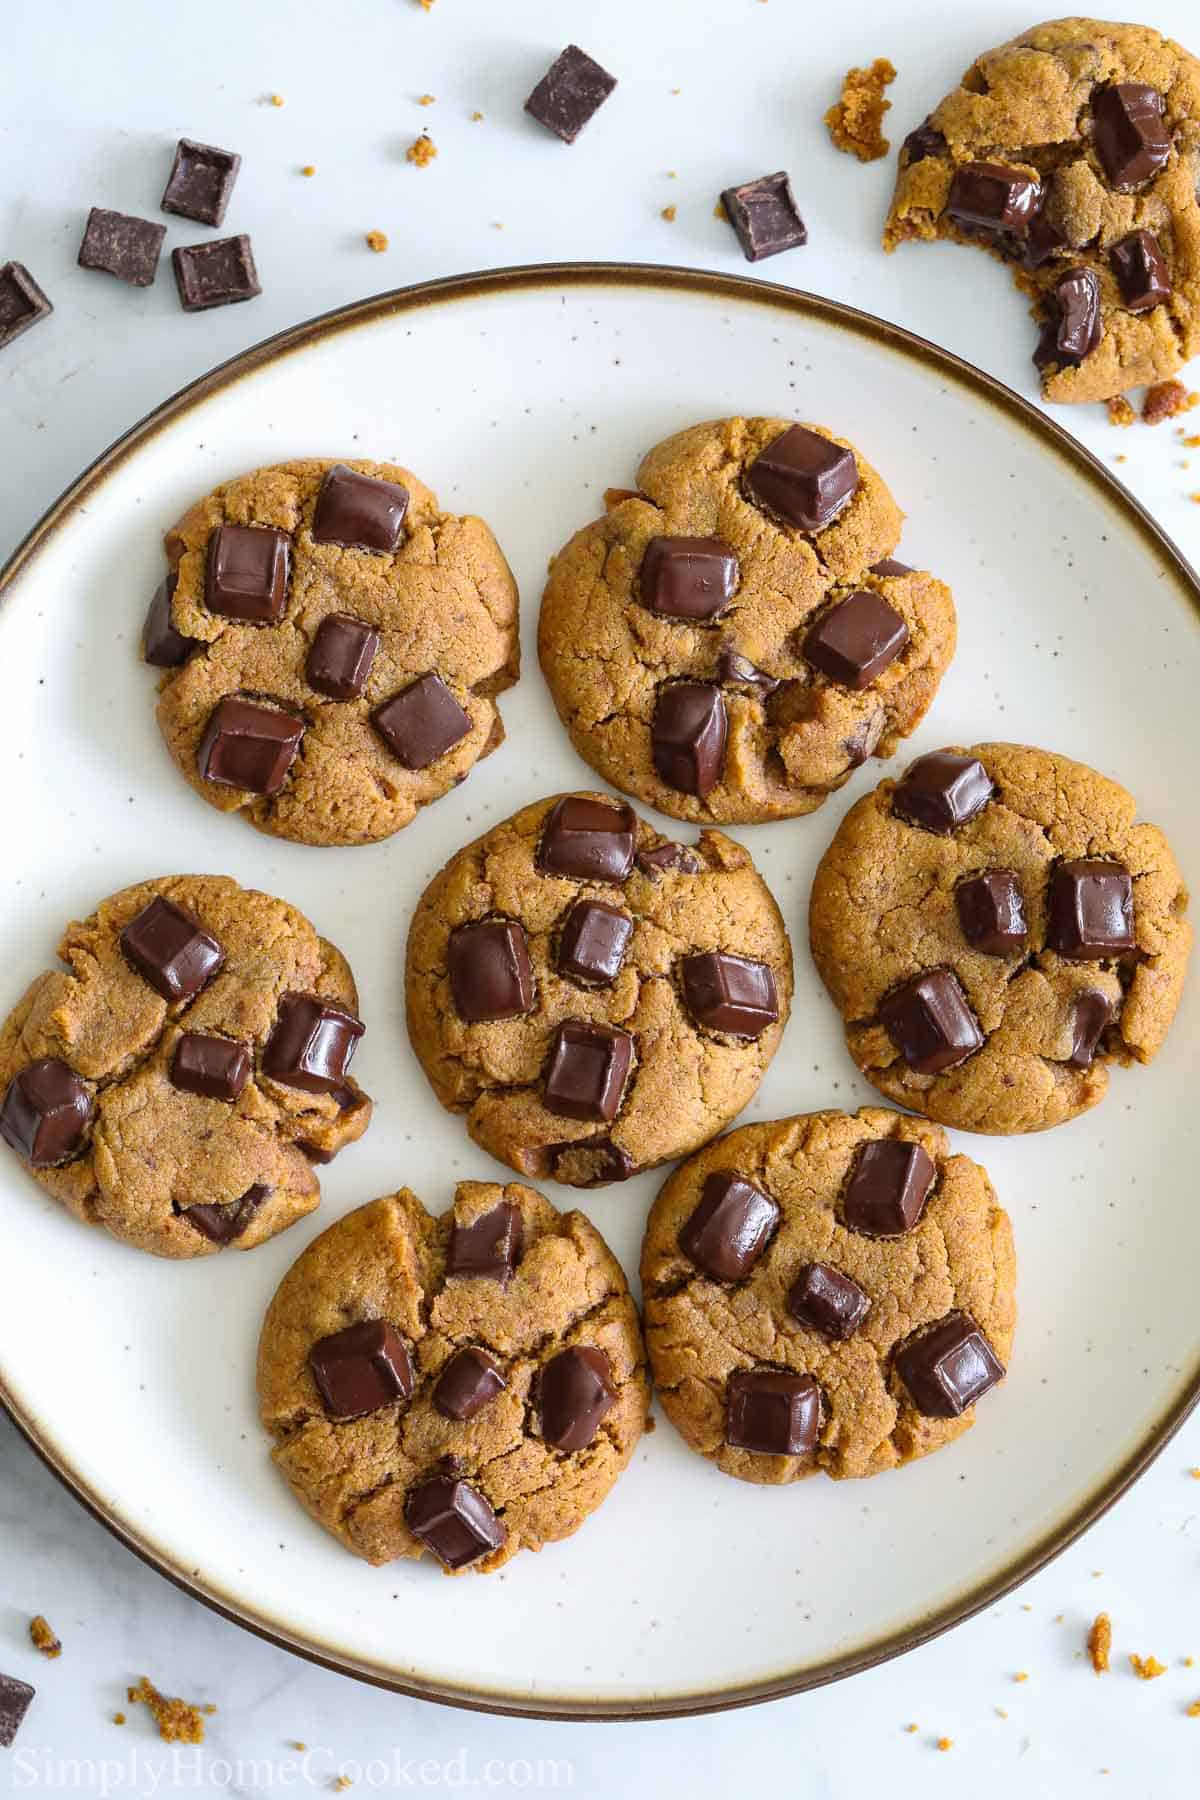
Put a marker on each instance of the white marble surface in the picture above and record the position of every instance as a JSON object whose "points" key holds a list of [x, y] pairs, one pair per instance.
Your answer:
{"points": [[93, 98]]}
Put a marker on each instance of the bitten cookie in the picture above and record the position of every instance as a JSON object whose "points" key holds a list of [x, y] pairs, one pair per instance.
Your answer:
{"points": [[470, 1385], [996, 930], [177, 1084], [595, 998], [732, 640], [334, 644], [826, 1293], [1073, 154]]}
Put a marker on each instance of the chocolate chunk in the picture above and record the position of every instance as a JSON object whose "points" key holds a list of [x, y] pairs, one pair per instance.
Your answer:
{"points": [[729, 993], [829, 1301], [470, 1381], [362, 1368], [994, 198], [991, 911], [118, 244], [247, 573], [592, 1162], [772, 1413], [731, 1227], [889, 566], [687, 737], [593, 942], [1141, 271], [765, 216], [856, 640], [1043, 240], [490, 1247], [890, 1181], [1091, 910], [930, 1023], [588, 840], [573, 88], [575, 1390], [453, 1519], [1090, 1015], [217, 274], [312, 1044], [1074, 327], [421, 722], [488, 966], [341, 656], [201, 182], [942, 791], [359, 511], [925, 141], [948, 1367], [803, 478], [688, 577], [171, 950], [222, 1224], [15, 1697], [740, 671], [1129, 132], [216, 1067], [162, 645], [588, 1068], [863, 740], [46, 1113], [22, 302], [667, 856], [249, 746]]}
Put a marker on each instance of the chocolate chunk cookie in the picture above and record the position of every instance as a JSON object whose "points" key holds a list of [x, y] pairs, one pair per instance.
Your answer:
{"points": [[732, 640], [1073, 154], [178, 1083], [595, 998], [470, 1385], [996, 930], [827, 1292], [333, 645]]}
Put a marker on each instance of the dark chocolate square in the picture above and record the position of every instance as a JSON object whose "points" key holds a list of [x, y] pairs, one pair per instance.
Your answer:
{"points": [[948, 1367], [454, 1520], [772, 1412], [249, 746], [421, 722], [171, 950], [46, 1112], [216, 274], [727, 993], [765, 216], [22, 302], [247, 573], [312, 1044], [362, 1368], [488, 967], [341, 656], [574, 1391], [803, 478], [829, 1301], [162, 646], [856, 640], [588, 840], [1091, 910], [941, 791], [587, 1071], [687, 736], [468, 1383], [201, 182], [730, 1229], [991, 911], [224, 1224], [358, 511], [687, 577], [215, 1067], [121, 245], [571, 91], [594, 940], [930, 1022], [890, 1181], [490, 1247]]}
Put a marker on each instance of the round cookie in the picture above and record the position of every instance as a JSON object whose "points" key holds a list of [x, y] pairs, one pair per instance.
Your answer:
{"points": [[996, 930], [470, 1385], [595, 998], [334, 644], [1072, 154], [731, 641], [826, 1293], [178, 1084]]}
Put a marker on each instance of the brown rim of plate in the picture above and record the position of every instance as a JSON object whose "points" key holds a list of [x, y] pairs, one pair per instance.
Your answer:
{"points": [[728, 289]]}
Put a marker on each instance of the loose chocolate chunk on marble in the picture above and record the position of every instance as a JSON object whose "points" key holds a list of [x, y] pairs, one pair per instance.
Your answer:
{"points": [[588, 840], [488, 966], [889, 566], [1090, 1015], [856, 640], [421, 722], [162, 646], [1074, 327], [361, 512], [15, 1698], [803, 478], [730, 993], [591, 1162], [216, 1067], [948, 1367], [341, 656], [312, 1044], [247, 573], [741, 672], [217, 274], [942, 791], [470, 1381], [118, 244], [1043, 240], [765, 216], [490, 1247], [832, 1303], [890, 1181], [994, 198], [667, 856], [687, 736], [362, 1368], [249, 746], [575, 1390], [731, 1228], [46, 1112], [1141, 271], [930, 1022], [922, 142], [991, 911], [572, 91], [594, 941], [1130, 133], [454, 1520], [587, 1071], [22, 302], [201, 182], [687, 577], [772, 1413], [1091, 910], [224, 1224], [171, 950]]}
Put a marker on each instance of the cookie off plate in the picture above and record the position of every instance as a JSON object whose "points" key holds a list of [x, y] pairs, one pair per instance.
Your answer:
{"points": [[686, 1591]]}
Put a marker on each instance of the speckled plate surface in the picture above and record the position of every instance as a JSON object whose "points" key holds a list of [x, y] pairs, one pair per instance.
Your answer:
{"points": [[522, 395]]}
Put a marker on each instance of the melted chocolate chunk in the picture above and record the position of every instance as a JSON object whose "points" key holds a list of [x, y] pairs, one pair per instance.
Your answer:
{"points": [[171, 950], [362, 1368], [488, 966], [341, 656], [312, 1044], [765, 217], [772, 1413], [490, 1247], [1091, 910], [890, 1181], [454, 1520], [1090, 1016], [803, 478], [991, 911], [572, 91], [46, 1113], [249, 746], [1141, 271], [22, 302], [421, 722], [15, 1699], [588, 840], [220, 274], [247, 573], [656, 862], [594, 941], [216, 1067], [587, 1071], [162, 646], [930, 1023], [687, 737], [993, 198], [856, 640], [1043, 240], [829, 1301], [223, 1224], [201, 182], [688, 577], [948, 1367], [731, 1228], [1074, 327], [118, 244], [729, 993], [741, 672], [470, 1381], [575, 1390], [360, 512], [942, 791], [925, 141], [592, 1162], [889, 566], [1130, 134]]}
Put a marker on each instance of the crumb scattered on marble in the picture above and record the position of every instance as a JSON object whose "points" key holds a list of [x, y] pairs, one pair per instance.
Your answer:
{"points": [[1146, 1668], [118, 1718], [912, 1728], [426, 99], [44, 1638], [855, 121], [340, 1783], [945, 1743], [720, 213], [1099, 1642], [422, 152], [1059, 1617], [1192, 443], [1021, 1675], [1026, 1607], [297, 1744], [1166, 400], [377, 240], [476, 118], [668, 213], [1121, 458], [1002, 1712], [1189, 1662], [309, 169], [178, 1721], [1120, 412], [1193, 1711], [276, 99]]}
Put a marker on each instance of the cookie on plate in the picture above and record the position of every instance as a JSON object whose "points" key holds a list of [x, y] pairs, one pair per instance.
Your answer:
{"points": [[996, 930], [470, 1385], [594, 998], [829, 1292], [333, 645], [731, 641], [1071, 153], [178, 1083]]}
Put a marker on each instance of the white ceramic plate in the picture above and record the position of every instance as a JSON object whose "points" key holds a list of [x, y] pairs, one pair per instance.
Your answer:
{"points": [[522, 395]]}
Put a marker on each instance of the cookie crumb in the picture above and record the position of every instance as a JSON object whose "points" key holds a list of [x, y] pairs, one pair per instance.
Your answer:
{"points": [[178, 1721], [43, 1638], [426, 99], [912, 1728], [340, 1783], [422, 151], [1120, 412], [1059, 1617], [297, 1744], [1099, 1642], [1189, 1662], [1002, 1712], [309, 169], [1025, 1607], [476, 118], [118, 1718], [1121, 458], [1193, 1711], [1166, 400], [668, 213], [854, 122], [425, 5], [945, 1743], [1192, 443], [1021, 1675], [720, 213], [377, 240], [1146, 1668], [276, 99]]}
